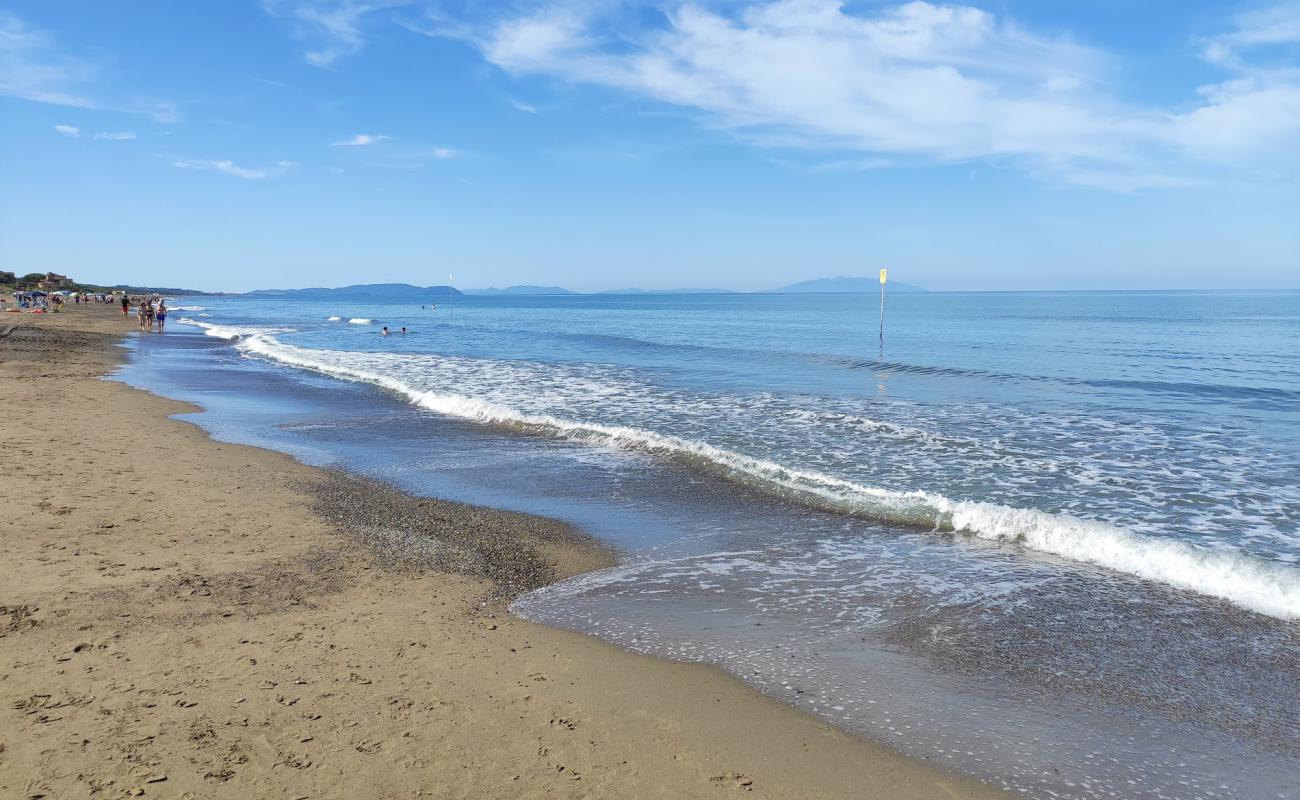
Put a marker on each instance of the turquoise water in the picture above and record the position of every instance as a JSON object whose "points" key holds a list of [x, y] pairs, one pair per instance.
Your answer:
{"points": [[1021, 507]]}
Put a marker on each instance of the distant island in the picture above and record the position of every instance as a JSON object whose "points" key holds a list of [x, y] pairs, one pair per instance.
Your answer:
{"points": [[398, 291], [844, 284], [526, 289], [381, 291], [668, 291]]}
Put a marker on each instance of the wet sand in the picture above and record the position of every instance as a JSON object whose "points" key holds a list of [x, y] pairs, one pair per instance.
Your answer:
{"points": [[185, 618]]}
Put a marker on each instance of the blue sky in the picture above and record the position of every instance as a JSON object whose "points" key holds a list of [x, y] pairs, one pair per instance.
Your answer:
{"points": [[594, 144]]}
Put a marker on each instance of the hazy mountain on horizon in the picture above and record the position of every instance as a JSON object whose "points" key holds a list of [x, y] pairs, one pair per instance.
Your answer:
{"points": [[667, 291], [844, 283], [522, 289], [400, 290], [379, 290]]}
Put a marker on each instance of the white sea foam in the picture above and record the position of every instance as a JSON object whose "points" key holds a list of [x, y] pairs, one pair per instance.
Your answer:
{"points": [[359, 321], [1267, 587], [189, 308], [334, 319], [233, 332]]}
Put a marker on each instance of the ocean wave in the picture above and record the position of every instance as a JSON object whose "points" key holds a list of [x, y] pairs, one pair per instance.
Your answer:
{"points": [[359, 321], [1253, 583], [189, 308], [333, 319], [232, 332]]}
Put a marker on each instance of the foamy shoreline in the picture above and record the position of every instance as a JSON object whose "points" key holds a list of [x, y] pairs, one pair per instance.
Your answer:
{"points": [[184, 585], [1251, 583]]}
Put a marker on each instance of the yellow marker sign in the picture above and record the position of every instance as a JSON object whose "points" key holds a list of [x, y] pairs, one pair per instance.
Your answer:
{"points": [[882, 276]]}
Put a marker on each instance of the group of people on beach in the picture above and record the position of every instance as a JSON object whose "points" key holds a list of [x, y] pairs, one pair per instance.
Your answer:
{"points": [[149, 311], [36, 302], [39, 302]]}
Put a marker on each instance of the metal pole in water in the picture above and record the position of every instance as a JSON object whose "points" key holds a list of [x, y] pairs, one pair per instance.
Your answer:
{"points": [[882, 308]]}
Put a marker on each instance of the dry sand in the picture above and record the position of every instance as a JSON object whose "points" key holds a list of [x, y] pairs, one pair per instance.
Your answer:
{"points": [[185, 618]]}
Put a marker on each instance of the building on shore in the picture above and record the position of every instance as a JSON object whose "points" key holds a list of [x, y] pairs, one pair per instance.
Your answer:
{"points": [[53, 280]]}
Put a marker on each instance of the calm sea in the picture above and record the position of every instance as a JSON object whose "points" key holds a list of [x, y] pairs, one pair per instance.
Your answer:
{"points": [[1048, 539]]}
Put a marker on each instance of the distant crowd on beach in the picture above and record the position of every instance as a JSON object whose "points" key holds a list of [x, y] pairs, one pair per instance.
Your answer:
{"points": [[150, 310], [38, 302]]}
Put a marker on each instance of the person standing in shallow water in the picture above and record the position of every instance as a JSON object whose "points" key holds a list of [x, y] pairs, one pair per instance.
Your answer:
{"points": [[162, 314]]}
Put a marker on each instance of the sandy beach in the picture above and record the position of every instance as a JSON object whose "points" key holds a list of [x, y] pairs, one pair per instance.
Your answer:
{"points": [[185, 618]]}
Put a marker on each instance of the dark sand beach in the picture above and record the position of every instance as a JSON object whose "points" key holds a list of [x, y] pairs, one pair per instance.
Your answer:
{"points": [[185, 618]]}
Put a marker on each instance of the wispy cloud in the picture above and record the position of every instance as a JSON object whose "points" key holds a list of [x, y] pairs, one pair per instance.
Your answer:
{"points": [[524, 107], [411, 157], [360, 140], [332, 29], [164, 112], [1260, 27], [918, 81], [379, 150], [228, 167], [31, 69], [119, 136], [68, 130]]}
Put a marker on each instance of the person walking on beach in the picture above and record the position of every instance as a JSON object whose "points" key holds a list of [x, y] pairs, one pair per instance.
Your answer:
{"points": [[126, 305], [162, 314]]}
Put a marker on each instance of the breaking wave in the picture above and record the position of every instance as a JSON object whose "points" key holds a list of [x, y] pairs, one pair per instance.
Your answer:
{"points": [[1253, 583]]}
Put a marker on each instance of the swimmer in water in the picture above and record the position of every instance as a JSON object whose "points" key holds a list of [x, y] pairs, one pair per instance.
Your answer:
{"points": [[384, 332], [403, 330]]}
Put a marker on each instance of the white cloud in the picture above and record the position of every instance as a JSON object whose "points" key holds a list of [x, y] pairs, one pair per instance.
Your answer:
{"points": [[120, 136], [68, 130], [524, 107], [333, 29], [1254, 116], [536, 41], [360, 140], [919, 82], [231, 168]]}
